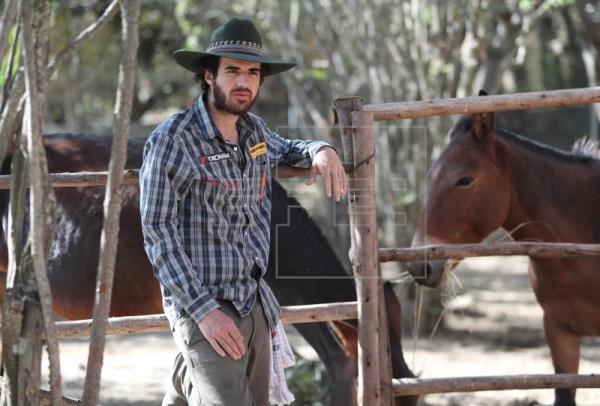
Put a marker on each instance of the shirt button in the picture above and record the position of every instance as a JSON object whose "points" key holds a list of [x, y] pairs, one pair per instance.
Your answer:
{"points": [[235, 148]]}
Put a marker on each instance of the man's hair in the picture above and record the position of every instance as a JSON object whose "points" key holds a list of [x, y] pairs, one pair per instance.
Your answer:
{"points": [[207, 64], [210, 64]]}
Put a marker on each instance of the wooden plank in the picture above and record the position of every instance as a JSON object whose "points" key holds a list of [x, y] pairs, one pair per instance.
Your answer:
{"points": [[459, 251], [483, 104], [412, 386], [158, 322]]}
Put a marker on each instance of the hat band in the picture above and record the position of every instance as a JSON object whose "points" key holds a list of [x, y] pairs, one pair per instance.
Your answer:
{"points": [[237, 46]]}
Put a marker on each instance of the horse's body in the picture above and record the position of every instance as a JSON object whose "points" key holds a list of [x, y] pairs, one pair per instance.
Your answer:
{"points": [[487, 179], [296, 242]]}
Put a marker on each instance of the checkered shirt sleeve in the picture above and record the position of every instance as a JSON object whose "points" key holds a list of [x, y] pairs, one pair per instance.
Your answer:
{"points": [[162, 181]]}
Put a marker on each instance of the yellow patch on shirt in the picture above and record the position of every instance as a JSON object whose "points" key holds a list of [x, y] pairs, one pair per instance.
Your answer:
{"points": [[258, 149]]}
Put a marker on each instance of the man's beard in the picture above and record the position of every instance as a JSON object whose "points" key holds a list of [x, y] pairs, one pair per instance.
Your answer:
{"points": [[228, 107]]}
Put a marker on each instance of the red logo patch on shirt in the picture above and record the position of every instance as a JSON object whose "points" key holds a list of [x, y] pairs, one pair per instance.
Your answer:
{"points": [[214, 158], [228, 184]]}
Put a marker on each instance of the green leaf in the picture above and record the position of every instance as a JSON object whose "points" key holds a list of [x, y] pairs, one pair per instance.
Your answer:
{"points": [[316, 74]]}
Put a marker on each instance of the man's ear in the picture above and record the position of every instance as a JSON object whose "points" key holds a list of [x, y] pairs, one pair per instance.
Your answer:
{"points": [[208, 77], [483, 125]]}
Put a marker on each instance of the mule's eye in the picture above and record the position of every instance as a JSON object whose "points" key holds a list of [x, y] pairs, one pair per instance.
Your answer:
{"points": [[466, 181]]}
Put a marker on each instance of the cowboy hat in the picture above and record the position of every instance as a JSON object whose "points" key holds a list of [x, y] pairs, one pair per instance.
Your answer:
{"points": [[238, 38]]}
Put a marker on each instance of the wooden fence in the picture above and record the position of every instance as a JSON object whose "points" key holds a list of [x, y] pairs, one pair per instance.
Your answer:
{"points": [[356, 122], [356, 119]]}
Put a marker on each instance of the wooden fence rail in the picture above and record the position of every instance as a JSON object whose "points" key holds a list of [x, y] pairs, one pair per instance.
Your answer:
{"points": [[130, 177], [158, 322], [487, 104], [460, 251], [411, 386]]}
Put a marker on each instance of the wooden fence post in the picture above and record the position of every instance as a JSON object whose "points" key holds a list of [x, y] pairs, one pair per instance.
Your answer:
{"points": [[130, 13], [357, 140], [34, 19]]}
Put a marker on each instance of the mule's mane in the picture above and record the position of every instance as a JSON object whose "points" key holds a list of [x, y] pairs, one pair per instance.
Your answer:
{"points": [[543, 149], [587, 146]]}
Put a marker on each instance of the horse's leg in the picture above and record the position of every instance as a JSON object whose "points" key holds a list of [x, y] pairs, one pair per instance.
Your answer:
{"points": [[2, 294], [347, 335], [564, 347], [342, 368]]}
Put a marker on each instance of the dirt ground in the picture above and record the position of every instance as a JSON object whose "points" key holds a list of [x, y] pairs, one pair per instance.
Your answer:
{"points": [[494, 328]]}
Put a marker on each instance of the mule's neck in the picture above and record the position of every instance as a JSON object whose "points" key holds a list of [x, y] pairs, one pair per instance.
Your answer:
{"points": [[552, 199]]}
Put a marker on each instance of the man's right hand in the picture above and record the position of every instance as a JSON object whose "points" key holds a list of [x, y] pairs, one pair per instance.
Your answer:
{"points": [[223, 335]]}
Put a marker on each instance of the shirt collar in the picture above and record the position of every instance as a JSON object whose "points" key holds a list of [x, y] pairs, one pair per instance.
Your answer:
{"points": [[207, 124]]}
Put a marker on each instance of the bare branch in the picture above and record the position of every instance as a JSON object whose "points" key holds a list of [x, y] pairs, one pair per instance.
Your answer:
{"points": [[12, 115], [8, 76], [13, 109], [76, 42], [14, 298], [42, 201], [130, 11], [6, 22]]}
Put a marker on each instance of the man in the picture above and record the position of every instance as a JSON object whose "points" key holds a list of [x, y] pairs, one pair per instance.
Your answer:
{"points": [[205, 189]]}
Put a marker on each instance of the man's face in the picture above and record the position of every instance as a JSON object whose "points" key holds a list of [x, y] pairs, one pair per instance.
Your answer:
{"points": [[236, 86]]}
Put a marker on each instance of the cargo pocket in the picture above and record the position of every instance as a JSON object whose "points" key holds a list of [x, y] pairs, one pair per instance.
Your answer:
{"points": [[189, 331]]}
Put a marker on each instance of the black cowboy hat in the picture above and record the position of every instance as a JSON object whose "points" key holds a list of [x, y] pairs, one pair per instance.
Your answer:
{"points": [[238, 38]]}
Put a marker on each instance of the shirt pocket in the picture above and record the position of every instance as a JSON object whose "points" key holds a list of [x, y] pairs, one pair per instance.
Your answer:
{"points": [[216, 184]]}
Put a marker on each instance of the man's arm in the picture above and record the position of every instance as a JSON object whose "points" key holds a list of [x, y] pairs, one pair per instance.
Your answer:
{"points": [[164, 171], [319, 156]]}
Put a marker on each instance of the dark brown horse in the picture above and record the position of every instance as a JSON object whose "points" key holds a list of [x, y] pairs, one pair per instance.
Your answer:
{"points": [[486, 179], [297, 242]]}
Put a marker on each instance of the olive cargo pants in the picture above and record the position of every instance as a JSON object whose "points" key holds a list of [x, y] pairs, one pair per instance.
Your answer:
{"points": [[201, 377]]}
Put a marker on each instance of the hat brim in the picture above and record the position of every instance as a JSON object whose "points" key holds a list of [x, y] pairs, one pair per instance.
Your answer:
{"points": [[190, 60]]}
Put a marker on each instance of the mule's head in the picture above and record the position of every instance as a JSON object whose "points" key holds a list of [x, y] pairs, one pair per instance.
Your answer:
{"points": [[468, 196]]}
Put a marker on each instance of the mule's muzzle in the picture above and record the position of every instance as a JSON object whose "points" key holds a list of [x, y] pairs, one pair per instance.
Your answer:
{"points": [[427, 273]]}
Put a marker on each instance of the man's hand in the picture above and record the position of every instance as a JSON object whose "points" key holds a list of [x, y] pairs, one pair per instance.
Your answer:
{"points": [[327, 164], [223, 335]]}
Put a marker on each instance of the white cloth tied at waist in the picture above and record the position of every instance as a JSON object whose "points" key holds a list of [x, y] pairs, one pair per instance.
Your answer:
{"points": [[281, 357]]}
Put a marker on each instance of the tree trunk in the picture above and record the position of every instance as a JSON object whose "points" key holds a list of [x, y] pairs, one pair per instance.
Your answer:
{"points": [[130, 10]]}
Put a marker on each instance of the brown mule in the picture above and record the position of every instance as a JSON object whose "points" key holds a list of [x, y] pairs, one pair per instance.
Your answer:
{"points": [[486, 179]]}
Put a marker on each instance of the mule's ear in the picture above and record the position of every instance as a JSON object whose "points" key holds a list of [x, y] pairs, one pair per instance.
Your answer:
{"points": [[483, 125], [483, 93]]}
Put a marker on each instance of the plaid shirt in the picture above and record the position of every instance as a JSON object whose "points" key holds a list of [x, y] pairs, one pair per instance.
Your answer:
{"points": [[206, 210]]}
